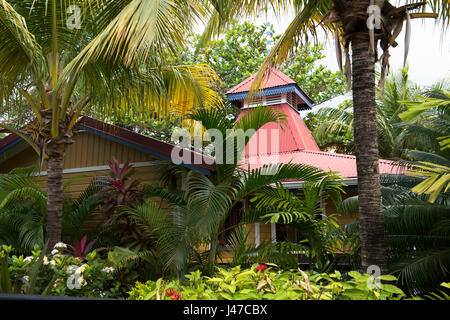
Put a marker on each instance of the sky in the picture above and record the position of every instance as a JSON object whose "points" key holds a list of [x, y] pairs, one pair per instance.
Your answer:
{"points": [[429, 51], [428, 58]]}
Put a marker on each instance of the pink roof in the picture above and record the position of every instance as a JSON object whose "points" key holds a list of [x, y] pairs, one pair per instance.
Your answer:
{"points": [[295, 143], [274, 78], [295, 135], [343, 165]]}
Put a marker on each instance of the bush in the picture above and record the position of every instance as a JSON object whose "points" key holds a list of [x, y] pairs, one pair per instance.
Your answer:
{"points": [[269, 283], [58, 274]]}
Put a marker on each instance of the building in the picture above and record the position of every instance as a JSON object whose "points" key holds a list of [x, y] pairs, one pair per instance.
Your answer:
{"points": [[294, 143], [97, 142]]}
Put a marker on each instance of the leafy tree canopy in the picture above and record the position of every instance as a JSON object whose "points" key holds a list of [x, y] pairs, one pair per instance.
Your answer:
{"points": [[242, 50]]}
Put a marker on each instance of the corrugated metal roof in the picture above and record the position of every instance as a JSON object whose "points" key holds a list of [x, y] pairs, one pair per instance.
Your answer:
{"points": [[343, 165], [294, 135], [275, 78]]}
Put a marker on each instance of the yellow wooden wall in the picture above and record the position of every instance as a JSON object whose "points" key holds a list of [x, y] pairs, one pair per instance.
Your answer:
{"points": [[88, 150]]}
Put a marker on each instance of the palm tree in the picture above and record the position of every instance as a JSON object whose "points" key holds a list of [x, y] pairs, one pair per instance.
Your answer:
{"points": [[303, 212], [23, 208], [335, 125], [435, 106], [60, 58], [348, 20], [417, 231], [198, 214]]}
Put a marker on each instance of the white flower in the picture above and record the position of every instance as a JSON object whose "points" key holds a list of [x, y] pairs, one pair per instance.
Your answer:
{"points": [[45, 260], [28, 259], [26, 281], [58, 282], [54, 251], [71, 269], [81, 269], [52, 262], [60, 245], [108, 269], [81, 281]]}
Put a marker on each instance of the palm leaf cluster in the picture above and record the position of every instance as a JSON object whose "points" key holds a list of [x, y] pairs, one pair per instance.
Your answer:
{"points": [[189, 230], [114, 65], [23, 210], [334, 128], [303, 211], [417, 233]]}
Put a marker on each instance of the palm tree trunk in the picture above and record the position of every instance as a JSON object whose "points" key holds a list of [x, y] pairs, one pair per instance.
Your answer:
{"points": [[366, 149], [54, 193]]}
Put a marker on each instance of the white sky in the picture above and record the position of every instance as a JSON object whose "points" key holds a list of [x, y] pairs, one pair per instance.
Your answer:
{"points": [[429, 51]]}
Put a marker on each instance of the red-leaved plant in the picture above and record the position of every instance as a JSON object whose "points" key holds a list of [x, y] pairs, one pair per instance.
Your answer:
{"points": [[80, 249], [118, 190]]}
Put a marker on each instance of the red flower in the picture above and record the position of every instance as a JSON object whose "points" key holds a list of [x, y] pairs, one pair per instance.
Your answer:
{"points": [[170, 292], [173, 294], [261, 267], [176, 296]]}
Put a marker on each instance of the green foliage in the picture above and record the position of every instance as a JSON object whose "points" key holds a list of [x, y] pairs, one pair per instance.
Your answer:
{"points": [[417, 233], [269, 284], [319, 82], [242, 50], [332, 127], [23, 210], [58, 274], [196, 215], [304, 213]]}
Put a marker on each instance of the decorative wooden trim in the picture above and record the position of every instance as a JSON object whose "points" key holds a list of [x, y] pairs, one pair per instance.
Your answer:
{"points": [[100, 168]]}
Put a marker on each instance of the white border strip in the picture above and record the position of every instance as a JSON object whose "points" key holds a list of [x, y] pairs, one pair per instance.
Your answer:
{"points": [[100, 168], [257, 235], [299, 184]]}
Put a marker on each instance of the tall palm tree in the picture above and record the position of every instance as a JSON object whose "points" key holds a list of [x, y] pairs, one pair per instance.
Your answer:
{"points": [[417, 231], [348, 20], [59, 58]]}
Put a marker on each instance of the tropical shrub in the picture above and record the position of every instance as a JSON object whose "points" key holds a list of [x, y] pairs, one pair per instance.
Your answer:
{"points": [[303, 212], [196, 216], [23, 210], [263, 282], [58, 274], [80, 249], [120, 189], [416, 233]]}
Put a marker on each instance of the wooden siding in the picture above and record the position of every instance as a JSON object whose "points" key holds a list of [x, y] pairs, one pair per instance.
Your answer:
{"points": [[89, 150]]}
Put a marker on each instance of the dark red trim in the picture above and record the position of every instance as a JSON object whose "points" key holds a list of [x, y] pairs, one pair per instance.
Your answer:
{"points": [[136, 139], [7, 140]]}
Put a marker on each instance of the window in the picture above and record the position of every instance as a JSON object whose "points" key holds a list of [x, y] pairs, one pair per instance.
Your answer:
{"points": [[232, 221]]}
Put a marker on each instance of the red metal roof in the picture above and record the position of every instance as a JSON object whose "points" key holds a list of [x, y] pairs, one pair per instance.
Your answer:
{"points": [[343, 165], [295, 142], [294, 136], [274, 78]]}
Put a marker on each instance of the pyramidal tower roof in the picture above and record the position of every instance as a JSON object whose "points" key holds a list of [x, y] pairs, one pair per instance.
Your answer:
{"points": [[294, 143], [282, 93], [274, 82]]}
